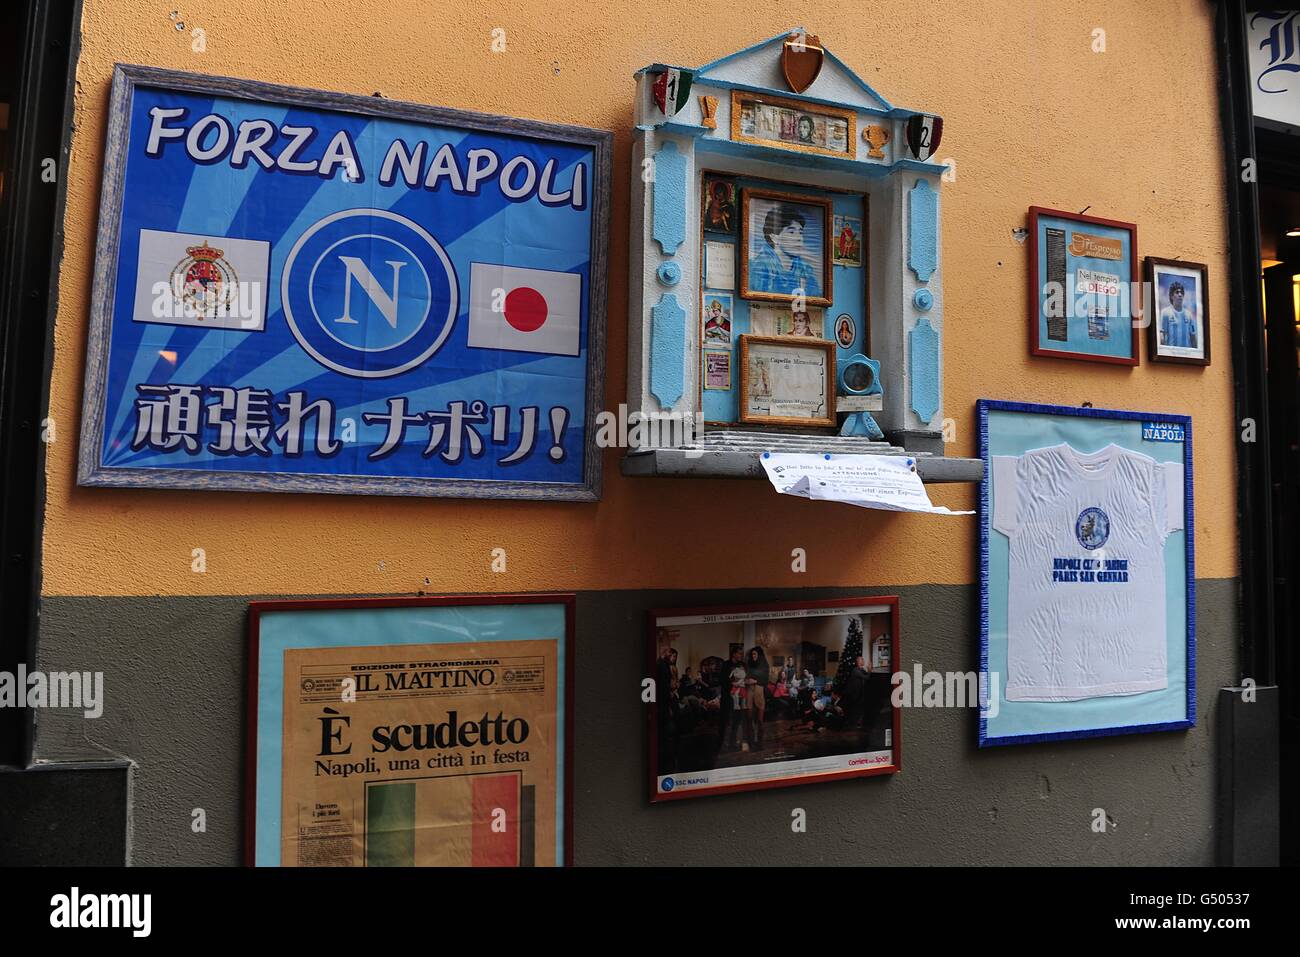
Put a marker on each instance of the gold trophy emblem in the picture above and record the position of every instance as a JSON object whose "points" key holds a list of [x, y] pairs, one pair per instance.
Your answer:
{"points": [[876, 137]]}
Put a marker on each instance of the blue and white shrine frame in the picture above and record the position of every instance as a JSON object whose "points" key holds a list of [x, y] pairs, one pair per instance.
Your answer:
{"points": [[306, 291], [1011, 429], [737, 121]]}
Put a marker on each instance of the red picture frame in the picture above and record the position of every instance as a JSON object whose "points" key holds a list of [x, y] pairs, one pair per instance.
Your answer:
{"points": [[655, 617], [257, 608], [1034, 291]]}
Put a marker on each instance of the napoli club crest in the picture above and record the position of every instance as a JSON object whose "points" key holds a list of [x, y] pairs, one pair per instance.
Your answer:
{"points": [[1092, 528], [204, 283], [369, 293]]}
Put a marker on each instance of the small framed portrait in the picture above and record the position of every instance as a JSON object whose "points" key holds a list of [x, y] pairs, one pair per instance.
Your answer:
{"points": [[719, 202], [847, 236], [1179, 330], [716, 310], [1083, 287], [846, 331], [781, 320], [787, 239]]}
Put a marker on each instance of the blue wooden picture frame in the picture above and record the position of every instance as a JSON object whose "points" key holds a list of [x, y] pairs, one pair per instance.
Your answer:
{"points": [[1170, 709], [475, 397]]}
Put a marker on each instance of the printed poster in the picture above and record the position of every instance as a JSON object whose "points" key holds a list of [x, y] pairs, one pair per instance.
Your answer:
{"points": [[317, 299]]}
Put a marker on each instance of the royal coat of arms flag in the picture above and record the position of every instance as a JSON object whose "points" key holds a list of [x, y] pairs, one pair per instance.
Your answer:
{"points": [[210, 281]]}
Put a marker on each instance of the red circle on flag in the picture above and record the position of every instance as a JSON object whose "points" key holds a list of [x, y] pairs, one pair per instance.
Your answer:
{"points": [[525, 309]]}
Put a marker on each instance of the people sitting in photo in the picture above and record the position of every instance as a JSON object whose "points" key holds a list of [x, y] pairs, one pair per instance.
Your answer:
{"points": [[828, 712]]}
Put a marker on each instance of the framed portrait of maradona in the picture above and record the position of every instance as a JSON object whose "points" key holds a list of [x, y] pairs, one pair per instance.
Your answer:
{"points": [[1087, 578], [1179, 330], [787, 247]]}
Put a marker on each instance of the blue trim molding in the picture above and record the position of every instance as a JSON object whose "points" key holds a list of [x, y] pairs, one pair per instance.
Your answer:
{"points": [[923, 366], [668, 350], [923, 230], [669, 198]]}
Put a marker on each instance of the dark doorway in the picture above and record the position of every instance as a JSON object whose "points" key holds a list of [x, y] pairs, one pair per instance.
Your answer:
{"points": [[36, 38], [1279, 246]]}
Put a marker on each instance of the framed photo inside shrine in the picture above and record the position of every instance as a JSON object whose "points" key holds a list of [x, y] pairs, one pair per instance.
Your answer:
{"points": [[793, 125], [787, 380], [772, 695], [786, 255], [1083, 279]]}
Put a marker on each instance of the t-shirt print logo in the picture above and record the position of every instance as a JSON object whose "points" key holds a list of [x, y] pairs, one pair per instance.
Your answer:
{"points": [[1092, 528]]}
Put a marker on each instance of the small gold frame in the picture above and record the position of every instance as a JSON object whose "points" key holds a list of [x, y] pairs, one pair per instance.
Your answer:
{"points": [[815, 109], [825, 346]]}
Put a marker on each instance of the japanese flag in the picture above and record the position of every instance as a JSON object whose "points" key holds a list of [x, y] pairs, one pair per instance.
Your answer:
{"points": [[524, 310]]}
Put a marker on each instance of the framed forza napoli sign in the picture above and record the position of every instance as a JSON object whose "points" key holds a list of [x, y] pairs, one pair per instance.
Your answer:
{"points": [[314, 292]]}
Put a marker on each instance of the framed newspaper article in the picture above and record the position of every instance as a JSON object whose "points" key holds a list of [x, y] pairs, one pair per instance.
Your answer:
{"points": [[762, 696], [1083, 274], [388, 732], [1087, 573]]}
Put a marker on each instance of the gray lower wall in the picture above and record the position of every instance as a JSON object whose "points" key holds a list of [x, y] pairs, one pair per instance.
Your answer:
{"points": [[175, 705]]}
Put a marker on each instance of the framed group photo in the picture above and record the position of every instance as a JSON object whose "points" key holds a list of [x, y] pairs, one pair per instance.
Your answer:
{"points": [[771, 695], [793, 125], [1179, 330], [786, 254]]}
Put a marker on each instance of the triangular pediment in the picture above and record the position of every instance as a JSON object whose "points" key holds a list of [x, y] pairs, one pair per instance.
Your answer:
{"points": [[760, 66]]}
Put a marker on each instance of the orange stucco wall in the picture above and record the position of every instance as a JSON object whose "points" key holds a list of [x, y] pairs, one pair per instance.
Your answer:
{"points": [[1032, 116]]}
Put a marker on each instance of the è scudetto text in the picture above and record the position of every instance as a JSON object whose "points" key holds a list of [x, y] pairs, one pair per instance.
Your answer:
{"points": [[449, 733]]}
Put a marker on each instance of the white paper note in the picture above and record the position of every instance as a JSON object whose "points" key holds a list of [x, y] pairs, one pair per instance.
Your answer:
{"points": [[871, 481], [720, 265]]}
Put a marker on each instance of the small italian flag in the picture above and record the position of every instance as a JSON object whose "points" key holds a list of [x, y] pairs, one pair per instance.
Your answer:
{"points": [[671, 90]]}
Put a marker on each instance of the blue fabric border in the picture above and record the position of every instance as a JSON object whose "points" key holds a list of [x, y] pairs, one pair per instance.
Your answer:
{"points": [[983, 407]]}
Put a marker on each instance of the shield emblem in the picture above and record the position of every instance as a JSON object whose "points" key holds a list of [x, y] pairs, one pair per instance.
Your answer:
{"points": [[671, 90], [923, 134], [801, 60]]}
